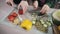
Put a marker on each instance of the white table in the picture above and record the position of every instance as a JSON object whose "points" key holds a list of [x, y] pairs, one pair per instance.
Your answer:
{"points": [[7, 28]]}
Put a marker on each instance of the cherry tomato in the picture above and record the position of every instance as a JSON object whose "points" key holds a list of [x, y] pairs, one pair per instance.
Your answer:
{"points": [[14, 14], [11, 18], [20, 12]]}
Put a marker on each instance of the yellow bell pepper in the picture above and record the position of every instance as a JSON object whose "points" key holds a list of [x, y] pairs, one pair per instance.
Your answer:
{"points": [[26, 24]]}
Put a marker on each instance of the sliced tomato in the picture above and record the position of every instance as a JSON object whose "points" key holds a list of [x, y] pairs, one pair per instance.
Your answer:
{"points": [[14, 14], [11, 18]]}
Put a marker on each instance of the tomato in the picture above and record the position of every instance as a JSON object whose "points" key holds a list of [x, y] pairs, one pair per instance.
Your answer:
{"points": [[14, 14], [11, 18], [20, 12]]}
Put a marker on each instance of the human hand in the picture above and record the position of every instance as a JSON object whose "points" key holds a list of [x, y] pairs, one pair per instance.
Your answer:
{"points": [[35, 4], [24, 5], [44, 9], [9, 2]]}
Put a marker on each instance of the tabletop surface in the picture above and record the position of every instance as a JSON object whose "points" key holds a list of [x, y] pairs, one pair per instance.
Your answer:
{"points": [[7, 28]]}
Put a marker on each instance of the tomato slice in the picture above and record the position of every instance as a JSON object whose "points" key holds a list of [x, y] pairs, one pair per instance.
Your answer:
{"points": [[11, 18], [14, 14]]}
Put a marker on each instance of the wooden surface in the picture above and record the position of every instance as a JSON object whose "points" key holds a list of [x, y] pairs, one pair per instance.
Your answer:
{"points": [[55, 30]]}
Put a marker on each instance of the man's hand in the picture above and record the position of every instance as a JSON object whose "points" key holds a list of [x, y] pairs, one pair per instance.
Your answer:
{"points": [[44, 9]]}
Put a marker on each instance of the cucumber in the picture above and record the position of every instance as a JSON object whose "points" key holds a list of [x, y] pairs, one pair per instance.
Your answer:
{"points": [[45, 25]]}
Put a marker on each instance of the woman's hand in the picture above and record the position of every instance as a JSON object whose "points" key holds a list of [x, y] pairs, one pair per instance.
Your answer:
{"points": [[24, 5], [44, 9], [35, 4]]}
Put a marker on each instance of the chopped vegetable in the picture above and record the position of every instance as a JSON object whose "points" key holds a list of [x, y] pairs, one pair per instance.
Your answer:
{"points": [[26, 24], [33, 22], [14, 14], [40, 27], [42, 21], [45, 25], [16, 21], [11, 18], [48, 23]]}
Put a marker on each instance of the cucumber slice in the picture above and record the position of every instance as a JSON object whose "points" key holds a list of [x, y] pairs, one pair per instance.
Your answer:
{"points": [[45, 25], [42, 22], [48, 23], [33, 22]]}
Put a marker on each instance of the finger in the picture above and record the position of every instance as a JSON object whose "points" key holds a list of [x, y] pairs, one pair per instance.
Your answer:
{"points": [[35, 4], [19, 6], [25, 8], [43, 9], [9, 2], [24, 5], [46, 9], [12, 2]]}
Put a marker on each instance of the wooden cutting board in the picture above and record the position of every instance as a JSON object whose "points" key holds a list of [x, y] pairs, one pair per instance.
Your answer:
{"points": [[55, 30]]}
